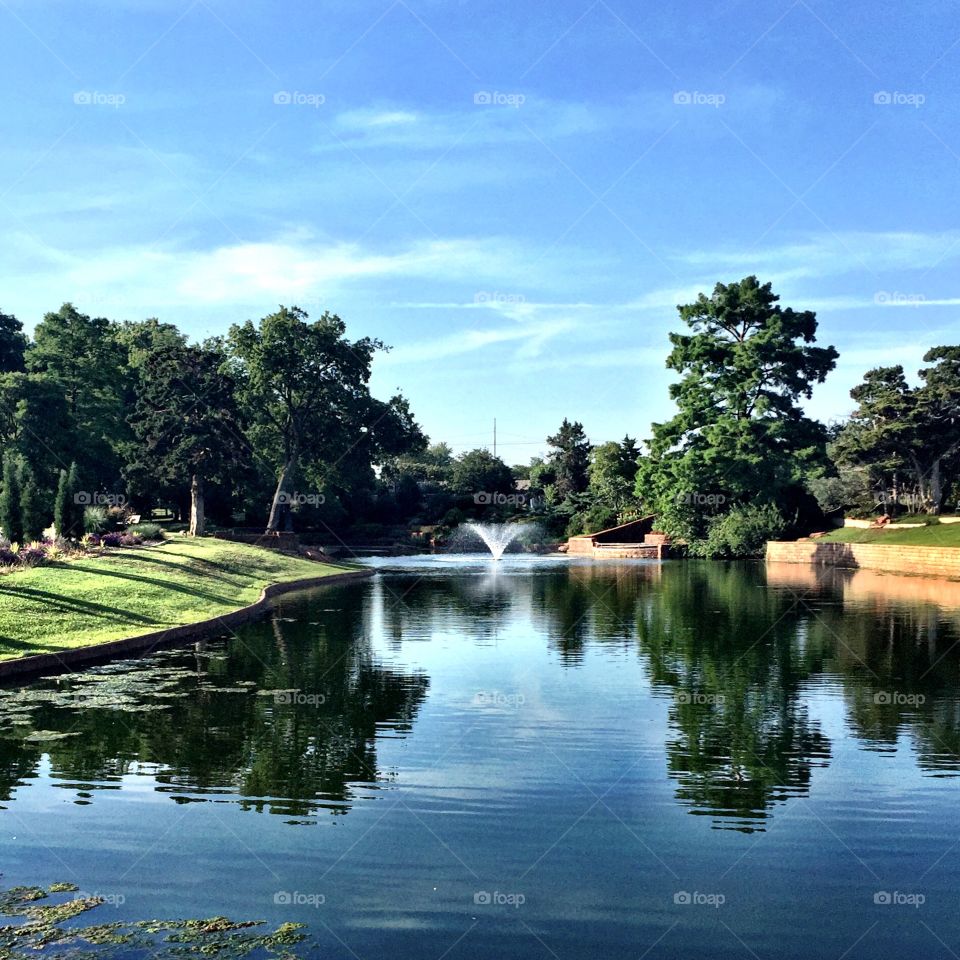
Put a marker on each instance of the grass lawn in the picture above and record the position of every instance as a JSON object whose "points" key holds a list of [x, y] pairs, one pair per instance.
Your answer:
{"points": [[136, 590], [936, 535]]}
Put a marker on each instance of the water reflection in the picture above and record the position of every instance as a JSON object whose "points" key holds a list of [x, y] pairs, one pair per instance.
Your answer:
{"points": [[283, 717], [286, 717], [737, 651]]}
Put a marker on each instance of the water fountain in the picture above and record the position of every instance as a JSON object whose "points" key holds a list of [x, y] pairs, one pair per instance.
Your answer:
{"points": [[497, 536]]}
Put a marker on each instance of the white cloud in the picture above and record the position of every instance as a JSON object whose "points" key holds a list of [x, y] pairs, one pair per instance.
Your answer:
{"points": [[834, 254]]}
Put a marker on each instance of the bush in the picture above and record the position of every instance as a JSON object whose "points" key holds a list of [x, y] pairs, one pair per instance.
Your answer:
{"points": [[94, 520], [32, 555], [148, 531], [742, 532]]}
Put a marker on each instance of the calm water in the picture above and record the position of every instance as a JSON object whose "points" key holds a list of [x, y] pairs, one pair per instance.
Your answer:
{"points": [[535, 759]]}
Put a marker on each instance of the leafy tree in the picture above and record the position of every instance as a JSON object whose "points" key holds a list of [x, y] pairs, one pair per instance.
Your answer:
{"points": [[570, 459], [740, 434], [36, 424], [13, 344], [478, 472], [84, 355], [10, 516], [305, 387], [906, 438], [188, 423], [612, 473]]}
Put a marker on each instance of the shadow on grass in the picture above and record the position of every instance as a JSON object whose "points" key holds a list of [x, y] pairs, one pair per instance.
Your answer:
{"points": [[64, 604], [190, 565], [166, 585], [240, 568]]}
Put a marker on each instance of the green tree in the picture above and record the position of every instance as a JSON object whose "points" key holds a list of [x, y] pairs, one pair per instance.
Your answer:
{"points": [[612, 473], [33, 512], [740, 435], [305, 388], [36, 424], [67, 514], [188, 423], [906, 438], [10, 516], [13, 344], [570, 459], [477, 473], [84, 355]]}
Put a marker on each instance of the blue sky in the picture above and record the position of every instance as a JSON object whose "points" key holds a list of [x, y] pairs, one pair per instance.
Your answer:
{"points": [[514, 195]]}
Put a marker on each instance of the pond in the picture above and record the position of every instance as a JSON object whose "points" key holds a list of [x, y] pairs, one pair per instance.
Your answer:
{"points": [[536, 758]]}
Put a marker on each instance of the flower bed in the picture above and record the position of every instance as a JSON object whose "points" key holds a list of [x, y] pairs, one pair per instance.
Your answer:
{"points": [[15, 557]]}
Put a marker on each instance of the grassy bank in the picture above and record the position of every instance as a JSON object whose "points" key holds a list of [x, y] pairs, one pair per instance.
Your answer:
{"points": [[935, 535], [136, 590]]}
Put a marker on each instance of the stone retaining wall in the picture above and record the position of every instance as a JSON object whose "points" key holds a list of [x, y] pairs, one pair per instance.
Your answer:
{"points": [[931, 561]]}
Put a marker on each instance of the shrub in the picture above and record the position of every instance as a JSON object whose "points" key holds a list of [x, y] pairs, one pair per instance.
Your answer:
{"points": [[113, 539], [32, 555], [130, 539], [149, 531], [94, 520], [742, 532]]}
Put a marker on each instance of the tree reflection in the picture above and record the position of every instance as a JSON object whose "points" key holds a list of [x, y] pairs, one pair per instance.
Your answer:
{"points": [[284, 715]]}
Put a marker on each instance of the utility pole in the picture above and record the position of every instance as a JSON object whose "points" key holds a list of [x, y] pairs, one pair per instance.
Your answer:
{"points": [[494, 436]]}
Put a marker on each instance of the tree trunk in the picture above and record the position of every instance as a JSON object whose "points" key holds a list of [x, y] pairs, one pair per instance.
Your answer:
{"points": [[198, 520], [282, 495], [936, 489]]}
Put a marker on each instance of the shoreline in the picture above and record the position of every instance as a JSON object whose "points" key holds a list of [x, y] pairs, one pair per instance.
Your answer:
{"points": [[64, 661]]}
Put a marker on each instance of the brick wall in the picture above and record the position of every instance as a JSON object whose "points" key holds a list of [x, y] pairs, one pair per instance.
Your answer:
{"points": [[935, 561]]}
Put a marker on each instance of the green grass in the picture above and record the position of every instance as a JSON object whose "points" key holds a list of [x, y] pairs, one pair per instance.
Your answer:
{"points": [[136, 590], [936, 535]]}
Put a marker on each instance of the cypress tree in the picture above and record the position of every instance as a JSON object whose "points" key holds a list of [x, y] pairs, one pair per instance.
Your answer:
{"points": [[32, 513], [10, 517], [61, 506], [67, 513]]}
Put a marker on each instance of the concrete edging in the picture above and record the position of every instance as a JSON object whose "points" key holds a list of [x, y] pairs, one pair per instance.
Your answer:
{"points": [[65, 660]]}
